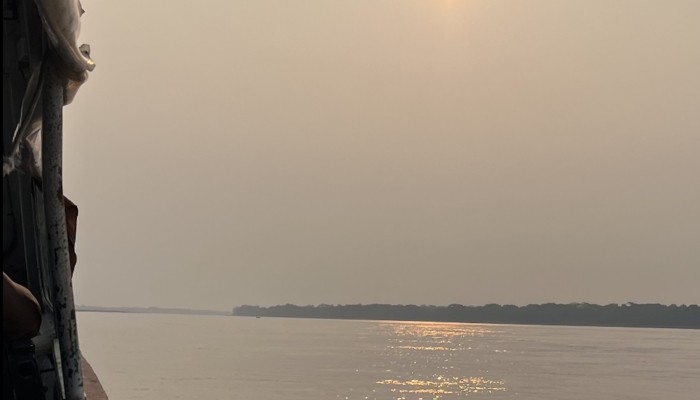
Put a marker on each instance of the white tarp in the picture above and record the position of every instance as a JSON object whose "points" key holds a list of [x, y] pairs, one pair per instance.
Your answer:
{"points": [[61, 20]]}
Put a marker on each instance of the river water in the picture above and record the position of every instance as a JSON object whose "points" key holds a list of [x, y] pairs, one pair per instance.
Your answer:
{"points": [[159, 357]]}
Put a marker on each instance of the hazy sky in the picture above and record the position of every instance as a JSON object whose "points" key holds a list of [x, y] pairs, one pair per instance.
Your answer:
{"points": [[360, 151]]}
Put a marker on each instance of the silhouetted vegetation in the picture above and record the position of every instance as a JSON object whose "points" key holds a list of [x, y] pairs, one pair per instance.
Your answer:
{"points": [[578, 314]]}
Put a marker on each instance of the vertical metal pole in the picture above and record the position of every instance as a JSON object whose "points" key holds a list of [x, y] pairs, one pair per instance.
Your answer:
{"points": [[52, 164]]}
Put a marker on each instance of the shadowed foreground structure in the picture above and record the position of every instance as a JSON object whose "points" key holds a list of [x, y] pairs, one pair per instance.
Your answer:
{"points": [[93, 387], [575, 314]]}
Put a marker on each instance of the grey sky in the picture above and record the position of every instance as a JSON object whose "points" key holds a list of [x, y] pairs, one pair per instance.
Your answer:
{"points": [[263, 152]]}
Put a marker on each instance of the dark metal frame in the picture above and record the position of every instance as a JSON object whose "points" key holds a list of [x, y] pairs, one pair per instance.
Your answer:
{"points": [[35, 243]]}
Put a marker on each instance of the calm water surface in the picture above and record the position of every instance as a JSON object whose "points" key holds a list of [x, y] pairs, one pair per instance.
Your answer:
{"points": [[158, 357]]}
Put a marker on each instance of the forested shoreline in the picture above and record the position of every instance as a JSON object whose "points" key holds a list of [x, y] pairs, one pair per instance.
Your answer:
{"points": [[574, 314]]}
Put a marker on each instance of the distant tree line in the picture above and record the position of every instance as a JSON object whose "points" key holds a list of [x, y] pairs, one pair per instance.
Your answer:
{"points": [[577, 314]]}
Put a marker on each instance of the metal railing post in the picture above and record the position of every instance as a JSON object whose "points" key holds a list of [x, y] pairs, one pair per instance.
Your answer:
{"points": [[52, 164]]}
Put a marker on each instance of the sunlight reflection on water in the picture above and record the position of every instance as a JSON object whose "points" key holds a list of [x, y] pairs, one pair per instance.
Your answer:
{"points": [[445, 385], [425, 351]]}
